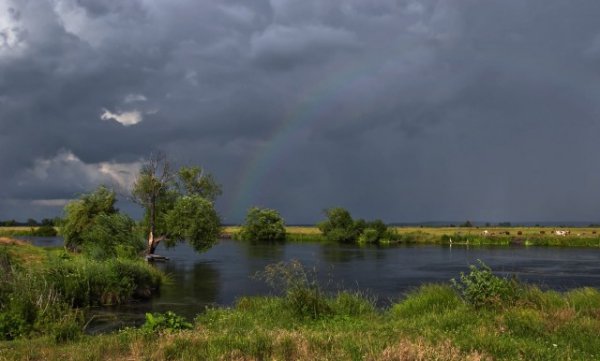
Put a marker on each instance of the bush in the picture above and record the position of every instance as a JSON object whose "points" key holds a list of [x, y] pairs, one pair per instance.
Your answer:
{"points": [[369, 235], [108, 232], [481, 288], [263, 224], [340, 227], [168, 321], [302, 291], [45, 230], [12, 326]]}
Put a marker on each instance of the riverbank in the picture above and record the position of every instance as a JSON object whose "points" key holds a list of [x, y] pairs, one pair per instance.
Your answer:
{"points": [[500, 236], [47, 291], [435, 322]]}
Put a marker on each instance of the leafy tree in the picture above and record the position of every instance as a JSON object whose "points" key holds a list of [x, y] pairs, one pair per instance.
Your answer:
{"points": [[193, 180], [179, 205], [339, 226], [81, 214], [193, 218], [111, 235], [467, 224], [263, 224]]}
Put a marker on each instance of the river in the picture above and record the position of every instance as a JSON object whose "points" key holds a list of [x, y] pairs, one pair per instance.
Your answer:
{"points": [[224, 273]]}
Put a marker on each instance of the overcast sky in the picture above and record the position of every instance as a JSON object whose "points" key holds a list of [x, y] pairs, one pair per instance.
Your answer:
{"points": [[405, 110]]}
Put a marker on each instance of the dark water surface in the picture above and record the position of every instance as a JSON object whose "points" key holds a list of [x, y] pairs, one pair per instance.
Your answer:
{"points": [[222, 274]]}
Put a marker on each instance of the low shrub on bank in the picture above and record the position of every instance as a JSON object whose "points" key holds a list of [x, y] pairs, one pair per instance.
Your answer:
{"points": [[481, 288]]}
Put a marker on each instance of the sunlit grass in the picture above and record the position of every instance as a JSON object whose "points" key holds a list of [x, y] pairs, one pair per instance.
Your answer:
{"points": [[431, 323]]}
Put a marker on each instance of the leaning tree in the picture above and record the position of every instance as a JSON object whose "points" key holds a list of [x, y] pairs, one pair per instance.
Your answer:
{"points": [[179, 204]]}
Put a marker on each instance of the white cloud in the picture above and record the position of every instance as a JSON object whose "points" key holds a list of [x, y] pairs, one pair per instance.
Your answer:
{"points": [[125, 118], [12, 35], [67, 168]]}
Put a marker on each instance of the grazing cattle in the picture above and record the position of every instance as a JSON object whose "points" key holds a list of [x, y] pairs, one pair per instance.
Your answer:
{"points": [[519, 233], [542, 232], [507, 233], [561, 232], [594, 232], [485, 233]]}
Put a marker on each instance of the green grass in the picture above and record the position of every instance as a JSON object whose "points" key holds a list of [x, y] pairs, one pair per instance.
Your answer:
{"points": [[434, 322], [47, 291], [472, 236]]}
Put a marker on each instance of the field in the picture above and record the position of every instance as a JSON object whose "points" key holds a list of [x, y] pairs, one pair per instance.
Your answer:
{"points": [[525, 236]]}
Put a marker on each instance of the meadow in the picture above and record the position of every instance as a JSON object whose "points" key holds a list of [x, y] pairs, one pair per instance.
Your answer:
{"points": [[504, 236]]}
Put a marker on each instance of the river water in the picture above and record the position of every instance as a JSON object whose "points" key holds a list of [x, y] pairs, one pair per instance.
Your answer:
{"points": [[224, 273]]}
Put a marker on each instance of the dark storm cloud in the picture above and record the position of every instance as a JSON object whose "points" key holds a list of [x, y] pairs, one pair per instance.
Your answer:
{"points": [[404, 110]]}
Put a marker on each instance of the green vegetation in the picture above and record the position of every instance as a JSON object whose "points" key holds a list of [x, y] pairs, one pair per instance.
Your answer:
{"points": [[45, 292], [93, 225], [473, 236], [263, 224], [341, 227], [482, 319], [179, 205]]}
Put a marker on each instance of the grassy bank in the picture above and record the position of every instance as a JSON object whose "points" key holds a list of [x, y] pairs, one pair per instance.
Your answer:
{"points": [[490, 319], [45, 231], [46, 291], [525, 236]]}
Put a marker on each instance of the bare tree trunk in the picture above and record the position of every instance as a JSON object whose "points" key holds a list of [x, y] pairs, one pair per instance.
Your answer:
{"points": [[151, 241]]}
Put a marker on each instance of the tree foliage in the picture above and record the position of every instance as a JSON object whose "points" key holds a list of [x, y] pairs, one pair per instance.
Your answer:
{"points": [[179, 204], [93, 224], [263, 224], [81, 214], [193, 219], [341, 227]]}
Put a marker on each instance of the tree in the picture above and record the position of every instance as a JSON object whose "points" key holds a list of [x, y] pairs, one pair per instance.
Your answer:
{"points": [[340, 227], [193, 180], [153, 189], [263, 224], [179, 205], [81, 214]]}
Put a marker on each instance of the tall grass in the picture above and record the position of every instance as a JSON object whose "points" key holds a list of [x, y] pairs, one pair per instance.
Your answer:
{"points": [[434, 322], [49, 295]]}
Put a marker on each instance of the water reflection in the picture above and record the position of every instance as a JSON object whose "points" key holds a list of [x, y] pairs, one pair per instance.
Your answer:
{"points": [[257, 250], [202, 285]]}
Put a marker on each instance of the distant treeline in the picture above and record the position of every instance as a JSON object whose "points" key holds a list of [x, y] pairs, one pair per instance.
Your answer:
{"points": [[55, 222]]}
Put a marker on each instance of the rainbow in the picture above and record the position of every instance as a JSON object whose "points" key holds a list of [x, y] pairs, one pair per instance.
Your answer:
{"points": [[308, 108]]}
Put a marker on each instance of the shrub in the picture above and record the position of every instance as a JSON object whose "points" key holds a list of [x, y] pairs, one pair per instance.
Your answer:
{"points": [[46, 230], [168, 321], [369, 235], [12, 326], [339, 226], [263, 224], [302, 291], [107, 232], [481, 288]]}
